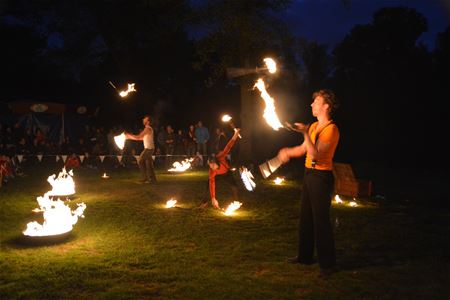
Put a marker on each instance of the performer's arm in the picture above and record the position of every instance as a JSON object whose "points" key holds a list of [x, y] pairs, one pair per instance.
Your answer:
{"points": [[212, 188], [138, 137], [212, 184], [230, 144]]}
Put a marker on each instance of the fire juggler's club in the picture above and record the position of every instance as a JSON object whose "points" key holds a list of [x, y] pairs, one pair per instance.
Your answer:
{"points": [[227, 119], [124, 93]]}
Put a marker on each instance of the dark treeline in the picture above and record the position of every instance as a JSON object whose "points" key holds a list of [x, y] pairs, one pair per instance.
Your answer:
{"points": [[392, 87]]}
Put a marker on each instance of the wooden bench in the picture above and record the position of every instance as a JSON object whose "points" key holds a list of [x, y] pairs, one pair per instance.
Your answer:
{"points": [[346, 184]]}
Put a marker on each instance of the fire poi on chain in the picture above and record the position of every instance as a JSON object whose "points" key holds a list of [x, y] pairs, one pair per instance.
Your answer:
{"points": [[63, 185], [58, 217], [181, 167], [235, 205], [227, 119]]}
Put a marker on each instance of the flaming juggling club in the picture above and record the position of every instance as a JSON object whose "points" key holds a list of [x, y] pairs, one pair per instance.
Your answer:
{"points": [[227, 119], [269, 167]]}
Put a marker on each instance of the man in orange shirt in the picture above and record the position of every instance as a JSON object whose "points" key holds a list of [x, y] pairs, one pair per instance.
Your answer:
{"points": [[218, 165], [319, 145]]}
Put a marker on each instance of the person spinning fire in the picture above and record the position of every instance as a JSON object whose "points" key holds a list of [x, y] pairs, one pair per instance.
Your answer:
{"points": [[220, 166]]}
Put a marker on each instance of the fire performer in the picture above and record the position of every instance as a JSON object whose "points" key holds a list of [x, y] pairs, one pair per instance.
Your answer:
{"points": [[145, 161], [320, 141], [219, 165]]}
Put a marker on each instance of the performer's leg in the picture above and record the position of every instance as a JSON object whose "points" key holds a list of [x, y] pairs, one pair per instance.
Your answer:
{"points": [[150, 168], [206, 195], [320, 195], [232, 184], [306, 230], [141, 164]]}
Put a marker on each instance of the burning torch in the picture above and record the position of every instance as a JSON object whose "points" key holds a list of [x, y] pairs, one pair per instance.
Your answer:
{"points": [[124, 93], [227, 119]]}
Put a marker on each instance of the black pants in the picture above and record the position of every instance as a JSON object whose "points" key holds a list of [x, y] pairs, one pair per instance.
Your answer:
{"points": [[315, 225], [229, 179], [146, 165]]}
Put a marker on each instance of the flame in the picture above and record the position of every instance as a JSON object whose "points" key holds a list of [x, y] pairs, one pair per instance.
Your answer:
{"points": [[181, 167], [58, 217], [278, 180], [226, 118], [270, 64], [171, 203], [63, 185], [120, 140], [353, 204], [247, 178], [130, 89], [269, 112], [338, 199], [105, 176], [232, 208]]}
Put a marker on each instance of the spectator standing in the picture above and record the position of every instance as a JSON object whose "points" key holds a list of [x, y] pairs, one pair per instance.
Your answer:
{"points": [[202, 137]]}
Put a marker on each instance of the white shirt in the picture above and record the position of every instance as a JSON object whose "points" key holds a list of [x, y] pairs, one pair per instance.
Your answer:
{"points": [[148, 139]]}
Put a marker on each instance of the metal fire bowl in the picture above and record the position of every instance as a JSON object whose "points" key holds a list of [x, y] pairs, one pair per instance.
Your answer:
{"points": [[46, 239], [63, 197]]}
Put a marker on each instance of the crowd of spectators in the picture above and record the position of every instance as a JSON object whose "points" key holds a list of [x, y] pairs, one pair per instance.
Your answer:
{"points": [[170, 144]]}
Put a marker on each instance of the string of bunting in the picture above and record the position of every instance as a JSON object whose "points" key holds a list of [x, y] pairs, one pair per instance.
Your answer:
{"points": [[63, 157]]}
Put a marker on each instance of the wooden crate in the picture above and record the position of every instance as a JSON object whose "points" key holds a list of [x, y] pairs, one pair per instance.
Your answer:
{"points": [[346, 184]]}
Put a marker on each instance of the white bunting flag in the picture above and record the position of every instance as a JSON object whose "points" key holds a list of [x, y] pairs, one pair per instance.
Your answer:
{"points": [[39, 157], [20, 157], [153, 156], [57, 158], [64, 157], [81, 158], [102, 157], [119, 158], [137, 158], [86, 154]]}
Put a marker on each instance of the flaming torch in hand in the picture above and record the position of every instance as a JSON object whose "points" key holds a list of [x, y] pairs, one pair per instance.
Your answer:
{"points": [[130, 89], [227, 119], [124, 93]]}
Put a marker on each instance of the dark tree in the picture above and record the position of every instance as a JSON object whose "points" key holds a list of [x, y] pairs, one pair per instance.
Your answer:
{"points": [[384, 78]]}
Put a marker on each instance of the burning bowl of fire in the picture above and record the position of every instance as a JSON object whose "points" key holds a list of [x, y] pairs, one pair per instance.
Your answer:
{"points": [[62, 185], [58, 223], [42, 240]]}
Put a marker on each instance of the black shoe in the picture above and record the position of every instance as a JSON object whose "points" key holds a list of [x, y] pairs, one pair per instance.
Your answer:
{"points": [[327, 272], [293, 260], [296, 260]]}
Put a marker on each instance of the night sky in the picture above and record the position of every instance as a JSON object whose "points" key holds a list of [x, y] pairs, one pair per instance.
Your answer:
{"points": [[328, 21]]}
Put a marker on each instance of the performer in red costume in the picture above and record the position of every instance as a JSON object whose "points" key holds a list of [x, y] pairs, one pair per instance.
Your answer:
{"points": [[219, 166]]}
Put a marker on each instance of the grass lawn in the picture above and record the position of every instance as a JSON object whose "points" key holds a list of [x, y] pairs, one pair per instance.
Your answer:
{"points": [[129, 246]]}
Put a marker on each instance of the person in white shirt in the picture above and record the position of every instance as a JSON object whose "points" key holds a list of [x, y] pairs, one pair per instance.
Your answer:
{"points": [[145, 161]]}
